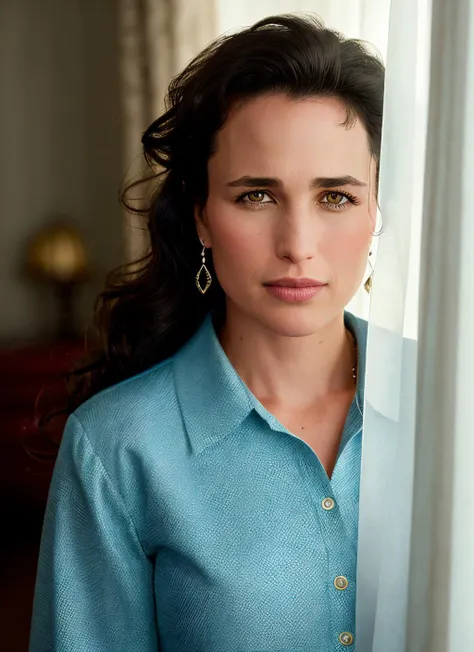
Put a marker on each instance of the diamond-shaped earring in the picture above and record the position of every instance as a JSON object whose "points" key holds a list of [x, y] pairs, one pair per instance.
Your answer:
{"points": [[368, 283], [203, 270]]}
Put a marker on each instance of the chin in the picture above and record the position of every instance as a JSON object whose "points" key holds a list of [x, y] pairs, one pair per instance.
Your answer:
{"points": [[296, 322], [286, 319]]}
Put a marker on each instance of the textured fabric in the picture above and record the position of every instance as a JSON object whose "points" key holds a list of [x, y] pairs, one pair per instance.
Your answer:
{"points": [[183, 517]]}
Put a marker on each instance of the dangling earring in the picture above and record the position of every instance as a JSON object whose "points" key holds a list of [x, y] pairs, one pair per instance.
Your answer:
{"points": [[204, 269], [368, 283]]}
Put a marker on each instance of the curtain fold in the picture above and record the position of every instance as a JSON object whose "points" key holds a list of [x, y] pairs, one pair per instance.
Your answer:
{"points": [[389, 421], [441, 589], [416, 548]]}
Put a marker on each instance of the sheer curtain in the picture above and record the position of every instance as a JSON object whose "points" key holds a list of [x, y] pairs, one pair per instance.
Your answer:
{"points": [[416, 549], [389, 419], [441, 595]]}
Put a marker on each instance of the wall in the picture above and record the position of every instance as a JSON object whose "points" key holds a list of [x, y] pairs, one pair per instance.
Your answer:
{"points": [[60, 144]]}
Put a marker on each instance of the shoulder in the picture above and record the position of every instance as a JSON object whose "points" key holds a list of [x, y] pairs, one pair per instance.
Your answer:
{"points": [[143, 415], [132, 413]]}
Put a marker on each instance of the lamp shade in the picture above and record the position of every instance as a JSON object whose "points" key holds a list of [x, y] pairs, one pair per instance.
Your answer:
{"points": [[57, 252]]}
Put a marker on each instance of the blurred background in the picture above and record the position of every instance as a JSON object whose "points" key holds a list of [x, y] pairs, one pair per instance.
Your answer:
{"points": [[80, 80]]}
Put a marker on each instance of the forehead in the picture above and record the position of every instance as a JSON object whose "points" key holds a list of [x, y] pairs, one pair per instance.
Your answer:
{"points": [[275, 135]]}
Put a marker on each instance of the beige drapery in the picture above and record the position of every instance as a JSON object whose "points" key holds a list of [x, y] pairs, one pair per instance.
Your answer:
{"points": [[157, 39]]}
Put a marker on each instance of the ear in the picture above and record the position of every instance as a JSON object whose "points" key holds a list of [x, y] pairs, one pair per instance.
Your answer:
{"points": [[202, 228]]}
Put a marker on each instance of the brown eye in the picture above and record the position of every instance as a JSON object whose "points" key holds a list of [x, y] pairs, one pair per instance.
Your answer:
{"points": [[256, 197], [335, 198], [333, 201]]}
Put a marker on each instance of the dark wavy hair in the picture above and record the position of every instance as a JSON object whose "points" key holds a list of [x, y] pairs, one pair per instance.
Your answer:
{"points": [[150, 309]]}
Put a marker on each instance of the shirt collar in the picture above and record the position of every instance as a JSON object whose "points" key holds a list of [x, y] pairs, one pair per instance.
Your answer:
{"points": [[358, 328], [212, 396], [214, 399]]}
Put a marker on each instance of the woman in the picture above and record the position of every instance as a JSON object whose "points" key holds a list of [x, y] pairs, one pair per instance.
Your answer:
{"points": [[209, 500]]}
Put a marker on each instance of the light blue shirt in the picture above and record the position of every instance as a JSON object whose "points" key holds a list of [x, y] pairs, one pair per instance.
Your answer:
{"points": [[183, 517]]}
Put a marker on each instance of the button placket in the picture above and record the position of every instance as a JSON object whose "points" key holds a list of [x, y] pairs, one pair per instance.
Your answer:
{"points": [[340, 556]]}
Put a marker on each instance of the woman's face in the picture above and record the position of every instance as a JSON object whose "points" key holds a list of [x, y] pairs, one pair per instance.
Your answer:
{"points": [[292, 197]]}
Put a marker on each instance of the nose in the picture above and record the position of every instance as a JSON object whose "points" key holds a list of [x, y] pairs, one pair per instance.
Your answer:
{"points": [[297, 235]]}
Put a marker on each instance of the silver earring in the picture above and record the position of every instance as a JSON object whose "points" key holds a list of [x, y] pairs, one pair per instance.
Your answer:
{"points": [[203, 270]]}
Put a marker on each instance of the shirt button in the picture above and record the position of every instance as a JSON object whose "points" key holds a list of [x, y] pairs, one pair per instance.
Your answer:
{"points": [[346, 638], [328, 504], [341, 583]]}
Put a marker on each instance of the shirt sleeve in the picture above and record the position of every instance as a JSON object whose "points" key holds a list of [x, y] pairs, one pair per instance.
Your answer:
{"points": [[94, 587]]}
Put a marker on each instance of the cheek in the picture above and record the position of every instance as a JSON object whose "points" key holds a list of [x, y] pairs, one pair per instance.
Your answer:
{"points": [[350, 248], [239, 244], [229, 239], [237, 240], [352, 245]]}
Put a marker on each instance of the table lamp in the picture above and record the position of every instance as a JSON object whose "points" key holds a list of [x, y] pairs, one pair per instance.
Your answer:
{"points": [[57, 255]]}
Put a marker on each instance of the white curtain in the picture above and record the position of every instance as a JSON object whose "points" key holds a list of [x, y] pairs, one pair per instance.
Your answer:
{"points": [[416, 549], [441, 595], [389, 419]]}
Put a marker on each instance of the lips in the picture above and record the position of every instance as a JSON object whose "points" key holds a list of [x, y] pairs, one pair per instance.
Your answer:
{"points": [[295, 283], [295, 290]]}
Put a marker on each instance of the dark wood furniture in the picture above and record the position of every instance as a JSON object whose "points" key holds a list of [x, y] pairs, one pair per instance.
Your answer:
{"points": [[31, 382]]}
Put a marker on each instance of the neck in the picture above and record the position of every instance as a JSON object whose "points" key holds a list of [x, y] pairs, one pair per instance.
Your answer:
{"points": [[284, 370]]}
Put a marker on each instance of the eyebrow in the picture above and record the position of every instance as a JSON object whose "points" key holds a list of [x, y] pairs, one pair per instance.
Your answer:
{"points": [[273, 182]]}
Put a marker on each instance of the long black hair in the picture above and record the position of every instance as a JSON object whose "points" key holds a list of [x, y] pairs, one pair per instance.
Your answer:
{"points": [[150, 310]]}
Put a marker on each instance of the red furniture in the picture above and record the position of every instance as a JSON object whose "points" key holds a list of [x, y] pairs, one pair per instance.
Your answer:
{"points": [[32, 382]]}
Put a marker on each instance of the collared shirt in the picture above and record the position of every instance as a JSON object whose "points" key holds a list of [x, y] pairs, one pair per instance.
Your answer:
{"points": [[183, 517]]}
